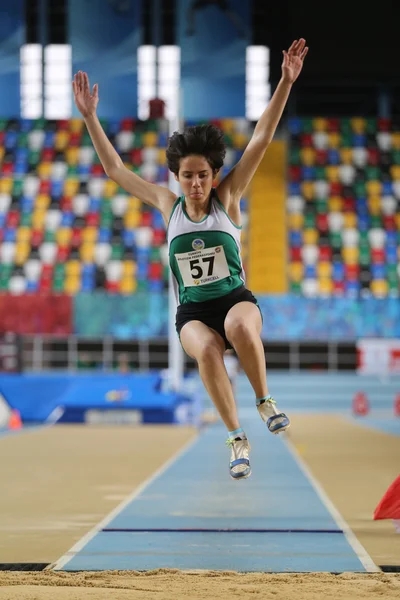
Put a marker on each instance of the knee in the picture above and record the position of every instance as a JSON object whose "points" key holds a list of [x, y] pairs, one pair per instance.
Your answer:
{"points": [[208, 352], [239, 330]]}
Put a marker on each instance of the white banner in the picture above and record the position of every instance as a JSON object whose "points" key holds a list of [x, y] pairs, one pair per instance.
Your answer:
{"points": [[378, 357]]}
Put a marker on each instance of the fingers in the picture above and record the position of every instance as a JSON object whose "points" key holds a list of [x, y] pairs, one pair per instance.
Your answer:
{"points": [[297, 47], [95, 90], [304, 53]]}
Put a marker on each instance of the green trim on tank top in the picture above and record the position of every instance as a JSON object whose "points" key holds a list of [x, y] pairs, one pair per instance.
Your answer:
{"points": [[172, 212], [223, 208], [187, 216]]}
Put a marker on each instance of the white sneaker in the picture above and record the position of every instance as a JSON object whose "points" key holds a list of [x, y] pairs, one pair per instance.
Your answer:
{"points": [[239, 466], [276, 421]]}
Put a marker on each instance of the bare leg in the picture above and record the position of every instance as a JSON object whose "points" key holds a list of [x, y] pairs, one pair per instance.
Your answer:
{"points": [[207, 347], [243, 327]]}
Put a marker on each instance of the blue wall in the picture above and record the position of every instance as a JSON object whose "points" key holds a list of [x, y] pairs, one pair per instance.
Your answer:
{"points": [[286, 317], [12, 33]]}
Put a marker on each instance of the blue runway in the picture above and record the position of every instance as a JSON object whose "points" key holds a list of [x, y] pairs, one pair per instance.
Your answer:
{"points": [[193, 516]]}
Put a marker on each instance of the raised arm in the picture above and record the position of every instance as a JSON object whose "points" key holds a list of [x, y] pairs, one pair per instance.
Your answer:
{"points": [[233, 185], [154, 195]]}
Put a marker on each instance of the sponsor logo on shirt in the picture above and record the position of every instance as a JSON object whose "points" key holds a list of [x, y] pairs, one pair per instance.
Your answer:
{"points": [[198, 244]]}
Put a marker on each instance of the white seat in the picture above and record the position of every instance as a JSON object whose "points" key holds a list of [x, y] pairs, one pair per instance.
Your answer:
{"points": [[347, 174], [32, 269], [150, 155], [113, 270], [377, 237], [7, 253], [389, 205], [309, 254], [310, 288], [5, 202], [164, 255], [295, 204], [144, 237], [149, 172], [384, 140], [86, 155], [230, 157], [102, 253], [119, 204], [124, 140], [241, 125], [95, 187], [321, 189], [350, 237], [31, 185], [48, 253], [396, 189], [320, 140], [335, 221], [36, 139], [17, 285], [360, 157], [59, 170], [80, 204], [52, 219]]}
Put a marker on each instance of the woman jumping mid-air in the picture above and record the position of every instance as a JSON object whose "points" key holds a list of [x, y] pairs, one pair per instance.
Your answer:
{"points": [[215, 309]]}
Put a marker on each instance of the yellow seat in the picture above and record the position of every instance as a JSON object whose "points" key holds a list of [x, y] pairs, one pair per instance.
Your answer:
{"points": [[72, 285], [132, 219], [44, 170], [374, 187], [296, 221], [335, 204], [73, 268], [307, 156], [150, 139], [374, 205], [332, 173], [310, 236], [162, 157], [350, 255], [396, 141], [63, 236], [127, 285], [86, 252], [71, 187], [110, 188], [358, 125], [2, 152], [128, 268], [324, 269], [227, 126], [395, 172], [397, 220], [38, 219], [346, 156], [6, 186], [319, 124], [350, 220], [21, 253], [307, 189], [76, 125], [134, 203], [240, 140], [89, 235], [42, 201], [325, 286], [296, 271], [379, 287], [61, 140], [72, 155], [333, 140], [24, 234]]}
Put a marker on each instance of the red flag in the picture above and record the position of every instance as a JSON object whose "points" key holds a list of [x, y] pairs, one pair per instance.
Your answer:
{"points": [[389, 506]]}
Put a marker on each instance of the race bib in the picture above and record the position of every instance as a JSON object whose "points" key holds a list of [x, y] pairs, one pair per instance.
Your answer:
{"points": [[201, 267]]}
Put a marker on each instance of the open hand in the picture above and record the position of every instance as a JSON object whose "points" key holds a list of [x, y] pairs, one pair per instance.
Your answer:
{"points": [[84, 100], [293, 60]]}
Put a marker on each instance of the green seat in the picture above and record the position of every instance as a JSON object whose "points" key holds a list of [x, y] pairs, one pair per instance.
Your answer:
{"points": [[307, 125], [3, 124], [138, 140], [49, 236], [295, 287], [152, 125], [17, 188], [346, 140], [22, 140], [360, 189], [117, 252], [392, 275], [336, 240], [228, 140], [372, 173], [320, 173], [370, 126], [39, 123], [34, 158], [155, 255], [396, 157], [294, 156], [166, 273], [376, 221], [58, 285], [59, 271], [345, 126], [309, 221], [364, 257], [142, 286], [72, 171], [26, 219], [322, 206]]}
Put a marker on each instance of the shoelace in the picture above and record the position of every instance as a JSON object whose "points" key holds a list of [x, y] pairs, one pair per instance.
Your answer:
{"points": [[230, 441], [270, 400]]}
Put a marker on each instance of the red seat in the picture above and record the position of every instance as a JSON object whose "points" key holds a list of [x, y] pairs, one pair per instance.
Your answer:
{"points": [[333, 125], [97, 170], [352, 272], [76, 237], [75, 139], [338, 288], [378, 255], [36, 238], [47, 272], [158, 237], [137, 157], [322, 222], [295, 254], [389, 223], [12, 220], [325, 253], [349, 205], [146, 219], [45, 187], [335, 188], [92, 219], [294, 173], [384, 124], [321, 157], [45, 285], [155, 271], [48, 154], [62, 253], [306, 140], [373, 156], [7, 169], [112, 286], [63, 125], [127, 124], [66, 204]]}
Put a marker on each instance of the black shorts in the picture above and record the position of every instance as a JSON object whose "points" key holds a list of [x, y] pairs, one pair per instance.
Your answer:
{"points": [[213, 312]]}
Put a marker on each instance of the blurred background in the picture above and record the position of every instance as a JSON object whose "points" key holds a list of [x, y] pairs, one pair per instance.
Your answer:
{"points": [[86, 320]]}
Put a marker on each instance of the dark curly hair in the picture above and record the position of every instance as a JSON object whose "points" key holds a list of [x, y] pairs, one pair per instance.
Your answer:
{"points": [[204, 140]]}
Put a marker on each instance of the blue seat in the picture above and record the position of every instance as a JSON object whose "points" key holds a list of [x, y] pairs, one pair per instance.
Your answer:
{"points": [[362, 206], [32, 286], [10, 140], [104, 235], [310, 272], [294, 189], [334, 157], [26, 125], [10, 235], [387, 188], [295, 125], [67, 219], [156, 286], [128, 237], [163, 139], [378, 271], [359, 140], [391, 254], [26, 204], [20, 168], [57, 188], [21, 154], [49, 138], [2, 219], [352, 288], [308, 173], [363, 222], [337, 271], [295, 238], [94, 205]]}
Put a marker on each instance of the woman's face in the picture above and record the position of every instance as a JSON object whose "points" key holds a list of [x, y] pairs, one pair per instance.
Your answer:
{"points": [[195, 177]]}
